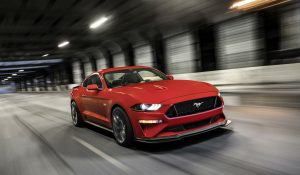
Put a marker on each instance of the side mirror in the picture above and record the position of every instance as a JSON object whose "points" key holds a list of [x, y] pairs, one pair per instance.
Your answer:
{"points": [[170, 77], [93, 87]]}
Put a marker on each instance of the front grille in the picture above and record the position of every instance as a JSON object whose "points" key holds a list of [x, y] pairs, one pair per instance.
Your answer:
{"points": [[194, 106]]}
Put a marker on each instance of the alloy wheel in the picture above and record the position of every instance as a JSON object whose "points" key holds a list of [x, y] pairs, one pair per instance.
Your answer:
{"points": [[119, 128], [74, 113]]}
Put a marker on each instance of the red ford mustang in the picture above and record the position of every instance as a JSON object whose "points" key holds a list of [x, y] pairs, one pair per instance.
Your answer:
{"points": [[139, 103]]}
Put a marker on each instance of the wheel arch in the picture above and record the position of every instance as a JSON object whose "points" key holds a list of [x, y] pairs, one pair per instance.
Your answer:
{"points": [[120, 106]]}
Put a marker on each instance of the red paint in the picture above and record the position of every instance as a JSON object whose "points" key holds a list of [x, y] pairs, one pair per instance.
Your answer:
{"points": [[96, 106]]}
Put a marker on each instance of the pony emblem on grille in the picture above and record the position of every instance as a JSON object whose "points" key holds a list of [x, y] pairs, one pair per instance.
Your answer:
{"points": [[197, 105]]}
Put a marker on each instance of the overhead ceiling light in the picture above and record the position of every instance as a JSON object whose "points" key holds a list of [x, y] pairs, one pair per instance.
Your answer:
{"points": [[45, 55], [255, 4], [5, 79], [241, 3], [62, 44], [14, 74], [8, 77], [98, 23], [21, 70]]}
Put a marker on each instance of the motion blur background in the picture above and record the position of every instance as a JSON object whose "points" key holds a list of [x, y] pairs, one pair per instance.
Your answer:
{"points": [[249, 49]]}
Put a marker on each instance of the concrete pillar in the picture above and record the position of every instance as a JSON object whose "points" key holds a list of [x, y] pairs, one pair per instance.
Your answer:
{"points": [[82, 70], [197, 49], [158, 47], [76, 72], [207, 47], [129, 54], [32, 84], [60, 77], [93, 62], [45, 83], [108, 56], [69, 72], [270, 31], [25, 85], [52, 80], [18, 86]]}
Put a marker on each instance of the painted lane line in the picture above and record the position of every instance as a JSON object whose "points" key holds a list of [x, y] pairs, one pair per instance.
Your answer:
{"points": [[105, 156]]}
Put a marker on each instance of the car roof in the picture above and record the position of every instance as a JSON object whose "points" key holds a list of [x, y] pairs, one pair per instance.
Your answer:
{"points": [[120, 68]]}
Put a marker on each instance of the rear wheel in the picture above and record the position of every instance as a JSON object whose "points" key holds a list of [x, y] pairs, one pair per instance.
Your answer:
{"points": [[76, 116], [122, 128]]}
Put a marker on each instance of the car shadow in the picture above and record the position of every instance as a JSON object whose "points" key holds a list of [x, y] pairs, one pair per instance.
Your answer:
{"points": [[167, 146], [185, 142]]}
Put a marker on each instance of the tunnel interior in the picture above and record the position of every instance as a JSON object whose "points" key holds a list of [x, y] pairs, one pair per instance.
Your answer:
{"points": [[248, 49]]}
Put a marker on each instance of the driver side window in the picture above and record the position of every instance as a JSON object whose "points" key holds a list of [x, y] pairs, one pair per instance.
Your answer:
{"points": [[94, 79]]}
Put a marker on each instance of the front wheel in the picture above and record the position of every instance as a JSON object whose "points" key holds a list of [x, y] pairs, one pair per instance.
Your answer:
{"points": [[76, 116], [122, 128]]}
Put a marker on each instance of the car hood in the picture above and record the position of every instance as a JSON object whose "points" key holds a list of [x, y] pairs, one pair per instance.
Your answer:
{"points": [[159, 91]]}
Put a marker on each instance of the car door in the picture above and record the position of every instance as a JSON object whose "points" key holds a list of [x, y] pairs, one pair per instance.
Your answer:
{"points": [[96, 101]]}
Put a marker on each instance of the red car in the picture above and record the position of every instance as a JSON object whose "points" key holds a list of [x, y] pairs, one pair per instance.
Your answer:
{"points": [[139, 103]]}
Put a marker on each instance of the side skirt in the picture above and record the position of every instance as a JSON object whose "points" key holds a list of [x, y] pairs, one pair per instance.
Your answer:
{"points": [[99, 126]]}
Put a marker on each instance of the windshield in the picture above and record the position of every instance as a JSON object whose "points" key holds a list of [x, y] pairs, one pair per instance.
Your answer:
{"points": [[131, 76]]}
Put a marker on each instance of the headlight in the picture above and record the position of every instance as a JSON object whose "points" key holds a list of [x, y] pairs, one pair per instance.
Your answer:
{"points": [[146, 107]]}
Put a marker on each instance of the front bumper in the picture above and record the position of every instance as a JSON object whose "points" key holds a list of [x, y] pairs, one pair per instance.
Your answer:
{"points": [[174, 128], [221, 124]]}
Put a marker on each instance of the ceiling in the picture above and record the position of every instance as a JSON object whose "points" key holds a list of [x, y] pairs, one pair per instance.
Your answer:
{"points": [[32, 28]]}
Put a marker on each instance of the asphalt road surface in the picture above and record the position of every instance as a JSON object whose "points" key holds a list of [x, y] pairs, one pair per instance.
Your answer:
{"points": [[38, 138]]}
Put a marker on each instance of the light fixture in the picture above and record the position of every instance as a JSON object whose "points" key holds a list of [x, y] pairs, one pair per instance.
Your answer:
{"points": [[62, 44], [98, 22], [241, 3], [21, 70], [14, 74], [45, 55], [8, 77], [255, 4], [146, 107], [5, 79]]}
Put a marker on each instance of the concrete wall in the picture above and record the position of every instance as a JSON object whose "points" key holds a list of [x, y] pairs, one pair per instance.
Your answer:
{"points": [[285, 73]]}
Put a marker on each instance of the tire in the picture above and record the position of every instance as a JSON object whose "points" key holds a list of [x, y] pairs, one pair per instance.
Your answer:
{"points": [[76, 116], [122, 128]]}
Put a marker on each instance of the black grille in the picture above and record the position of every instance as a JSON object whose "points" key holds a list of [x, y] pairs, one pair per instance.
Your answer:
{"points": [[193, 106]]}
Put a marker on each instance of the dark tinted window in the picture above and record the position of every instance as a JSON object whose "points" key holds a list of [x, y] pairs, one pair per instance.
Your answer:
{"points": [[94, 79]]}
